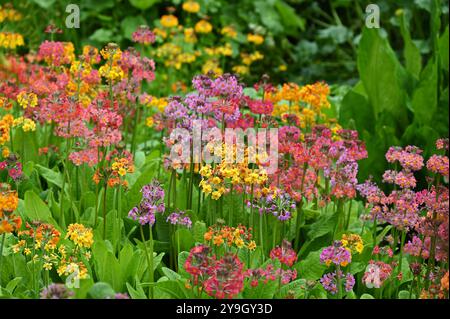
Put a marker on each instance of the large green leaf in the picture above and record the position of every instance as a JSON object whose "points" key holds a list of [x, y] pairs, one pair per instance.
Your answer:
{"points": [[35, 208], [425, 97], [382, 75], [411, 52], [443, 49], [311, 267]]}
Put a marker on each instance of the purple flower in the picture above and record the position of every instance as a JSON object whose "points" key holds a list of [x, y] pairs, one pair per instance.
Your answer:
{"points": [[56, 291], [152, 202], [179, 218], [336, 254], [329, 282]]}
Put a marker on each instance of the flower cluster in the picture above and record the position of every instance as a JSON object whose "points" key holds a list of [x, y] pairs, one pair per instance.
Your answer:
{"points": [[152, 202], [336, 254], [179, 218], [329, 281], [285, 254], [376, 274], [228, 236]]}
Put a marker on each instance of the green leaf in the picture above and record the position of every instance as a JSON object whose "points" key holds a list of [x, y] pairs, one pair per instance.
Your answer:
{"points": [[128, 26], [366, 296], [443, 49], [383, 77], [50, 175], [311, 267], [199, 231], [425, 100], [143, 4], [262, 291], [46, 4], [101, 290], [136, 293], [102, 36], [411, 52], [172, 275], [403, 294], [35, 208], [289, 18]]}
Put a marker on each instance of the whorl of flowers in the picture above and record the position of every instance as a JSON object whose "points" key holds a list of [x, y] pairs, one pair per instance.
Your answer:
{"points": [[329, 281], [226, 278], [56, 291], [376, 273], [179, 218], [285, 254], [152, 202], [336, 254]]}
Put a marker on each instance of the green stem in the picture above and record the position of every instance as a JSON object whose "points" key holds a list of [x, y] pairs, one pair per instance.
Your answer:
{"points": [[149, 259], [1, 255]]}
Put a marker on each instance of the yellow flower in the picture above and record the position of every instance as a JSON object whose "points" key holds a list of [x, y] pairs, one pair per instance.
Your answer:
{"points": [[216, 195], [255, 38], [10, 40], [27, 99], [218, 240], [191, 6], [229, 31], [282, 67], [239, 242], [80, 235], [251, 245], [189, 35], [149, 121], [111, 73], [47, 266], [169, 21], [203, 26], [241, 69]]}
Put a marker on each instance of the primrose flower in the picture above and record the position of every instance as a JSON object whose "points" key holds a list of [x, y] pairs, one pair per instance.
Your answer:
{"points": [[56, 291], [80, 235], [203, 26], [336, 254], [376, 273], [353, 241], [152, 202], [179, 218], [329, 281], [10, 40], [27, 99], [191, 6], [255, 38], [285, 254], [169, 21], [143, 35], [229, 31]]}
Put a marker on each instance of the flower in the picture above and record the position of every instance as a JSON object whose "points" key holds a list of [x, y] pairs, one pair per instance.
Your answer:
{"points": [[10, 40], [143, 35], [27, 99], [169, 21], [285, 254], [353, 241], [203, 26], [229, 31], [191, 6], [56, 291], [152, 202], [336, 254], [329, 281], [179, 218], [80, 235], [255, 38], [376, 273], [226, 278]]}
